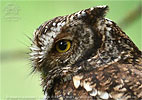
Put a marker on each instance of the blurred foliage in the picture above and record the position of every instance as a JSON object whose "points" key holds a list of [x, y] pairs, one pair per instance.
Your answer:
{"points": [[20, 18]]}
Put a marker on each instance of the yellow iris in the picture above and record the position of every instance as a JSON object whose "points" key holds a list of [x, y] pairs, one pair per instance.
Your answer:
{"points": [[63, 45]]}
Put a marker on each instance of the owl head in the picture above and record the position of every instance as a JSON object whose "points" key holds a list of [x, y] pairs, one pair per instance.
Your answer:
{"points": [[62, 43], [67, 40]]}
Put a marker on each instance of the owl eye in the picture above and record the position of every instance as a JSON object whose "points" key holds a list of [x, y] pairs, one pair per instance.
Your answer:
{"points": [[63, 45]]}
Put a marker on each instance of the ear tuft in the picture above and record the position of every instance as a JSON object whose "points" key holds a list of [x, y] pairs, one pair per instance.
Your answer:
{"points": [[90, 15], [99, 11]]}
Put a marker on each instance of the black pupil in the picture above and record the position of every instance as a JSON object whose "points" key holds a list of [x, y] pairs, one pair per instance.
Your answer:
{"points": [[62, 45]]}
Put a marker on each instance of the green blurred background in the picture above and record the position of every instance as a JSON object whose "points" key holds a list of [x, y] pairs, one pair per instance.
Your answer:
{"points": [[20, 18]]}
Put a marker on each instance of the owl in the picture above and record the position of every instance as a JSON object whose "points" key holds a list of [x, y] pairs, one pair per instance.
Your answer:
{"points": [[85, 56]]}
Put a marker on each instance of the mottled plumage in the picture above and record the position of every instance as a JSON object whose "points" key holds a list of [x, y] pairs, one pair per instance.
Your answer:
{"points": [[88, 57]]}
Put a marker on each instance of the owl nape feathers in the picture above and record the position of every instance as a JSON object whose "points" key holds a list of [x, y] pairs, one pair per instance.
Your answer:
{"points": [[85, 56]]}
